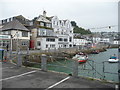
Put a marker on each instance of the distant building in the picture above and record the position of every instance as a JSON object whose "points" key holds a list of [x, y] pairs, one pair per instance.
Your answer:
{"points": [[116, 41], [96, 39], [80, 42]]}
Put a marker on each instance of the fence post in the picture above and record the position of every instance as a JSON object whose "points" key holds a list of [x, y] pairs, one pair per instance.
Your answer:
{"points": [[10, 57], [27, 50], [44, 62], [19, 59], [75, 68], [5, 56]]}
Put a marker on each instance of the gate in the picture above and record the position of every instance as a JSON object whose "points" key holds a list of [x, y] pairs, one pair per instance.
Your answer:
{"points": [[100, 71]]}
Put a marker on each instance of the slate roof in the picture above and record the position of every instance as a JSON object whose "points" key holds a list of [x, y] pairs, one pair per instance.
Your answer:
{"points": [[14, 25]]}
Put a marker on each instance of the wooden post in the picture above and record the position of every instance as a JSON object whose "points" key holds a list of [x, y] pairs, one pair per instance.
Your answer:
{"points": [[44, 62]]}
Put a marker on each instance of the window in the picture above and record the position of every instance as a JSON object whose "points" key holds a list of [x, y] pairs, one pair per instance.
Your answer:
{"points": [[42, 24], [70, 31], [24, 43], [9, 19], [60, 39], [44, 33], [31, 23], [46, 45], [65, 40], [52, 45], [70, 39], [48, 25], [54, 22], [65, 46], [47, 39], [24, 34], [38, 43], [70, 45], [50, 39], [4, 43]]}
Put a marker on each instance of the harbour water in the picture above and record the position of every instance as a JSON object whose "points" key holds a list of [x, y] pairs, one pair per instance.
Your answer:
{"points": [[101, 68], [94, 67]]}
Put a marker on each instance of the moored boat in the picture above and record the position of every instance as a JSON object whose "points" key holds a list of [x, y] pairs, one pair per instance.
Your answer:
{"points": [[95, 52], [113, 59], [81, 57]]}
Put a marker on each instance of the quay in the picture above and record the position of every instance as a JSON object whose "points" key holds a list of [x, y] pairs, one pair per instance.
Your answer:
{"points": [[23, 77]]}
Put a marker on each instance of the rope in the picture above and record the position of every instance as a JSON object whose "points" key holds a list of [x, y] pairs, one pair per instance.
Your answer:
{"points": [[95, 70], [62, 64]]}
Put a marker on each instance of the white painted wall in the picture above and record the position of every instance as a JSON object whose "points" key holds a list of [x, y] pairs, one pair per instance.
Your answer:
{"points": [[63, 29], [50, 44], [18, 35], [115, 42], [80, 42]]}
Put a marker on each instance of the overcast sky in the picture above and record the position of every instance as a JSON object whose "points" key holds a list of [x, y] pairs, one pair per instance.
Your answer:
{"points": [[87, 13]]}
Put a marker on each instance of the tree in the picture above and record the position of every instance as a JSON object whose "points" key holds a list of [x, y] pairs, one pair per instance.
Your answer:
{"points": [[73, 23], [78, 29]]}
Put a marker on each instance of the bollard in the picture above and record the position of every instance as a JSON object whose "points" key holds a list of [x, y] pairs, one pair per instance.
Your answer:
{"points": [[75, 68], [44, 62], [10, 57], [27, 51], [5, 56], [19, 59]]}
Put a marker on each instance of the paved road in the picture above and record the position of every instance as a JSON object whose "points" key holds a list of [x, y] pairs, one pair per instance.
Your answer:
{"points": [[13, 77]]}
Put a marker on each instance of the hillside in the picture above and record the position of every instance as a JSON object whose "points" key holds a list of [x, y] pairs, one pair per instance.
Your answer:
{"points": [[78, 29]]}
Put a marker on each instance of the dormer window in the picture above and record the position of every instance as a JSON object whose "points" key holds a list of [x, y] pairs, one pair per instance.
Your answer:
{"points": [[24, 34], [48, 25], [41, 24], [54, 22]]}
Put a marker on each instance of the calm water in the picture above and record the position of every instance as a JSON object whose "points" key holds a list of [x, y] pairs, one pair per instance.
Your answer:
{"points": [[93, 68], [97, 72]]}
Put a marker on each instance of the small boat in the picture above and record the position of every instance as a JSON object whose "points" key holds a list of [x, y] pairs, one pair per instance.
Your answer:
{"points": [[95, 52], [113, 59], [82, 58]]}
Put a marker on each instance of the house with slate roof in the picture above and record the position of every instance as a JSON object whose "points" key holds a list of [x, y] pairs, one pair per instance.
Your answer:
{"points": [[20, 35], [43, 32], [43, 36]]}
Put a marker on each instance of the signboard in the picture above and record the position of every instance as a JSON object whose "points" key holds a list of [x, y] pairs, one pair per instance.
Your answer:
{"points": [[4, 36]]}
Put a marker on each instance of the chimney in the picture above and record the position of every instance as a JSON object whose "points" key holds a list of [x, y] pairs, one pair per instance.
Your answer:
{"points": [[44, 13]]}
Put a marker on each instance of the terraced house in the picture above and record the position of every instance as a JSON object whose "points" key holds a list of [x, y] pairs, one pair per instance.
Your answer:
{"points": [[42, 32], [51, 33], [43, 36], [19, 34]]}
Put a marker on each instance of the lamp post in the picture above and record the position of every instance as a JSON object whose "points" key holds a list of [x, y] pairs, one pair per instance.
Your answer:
{"points": [[11, 46]]}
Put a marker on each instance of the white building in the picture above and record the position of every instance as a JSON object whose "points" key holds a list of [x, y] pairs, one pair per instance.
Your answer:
{"points": [[101, 40], [43, 35], [80, 42], [52, 33], [116, 41], [96, 39], [105, 40], [64, 31]]}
